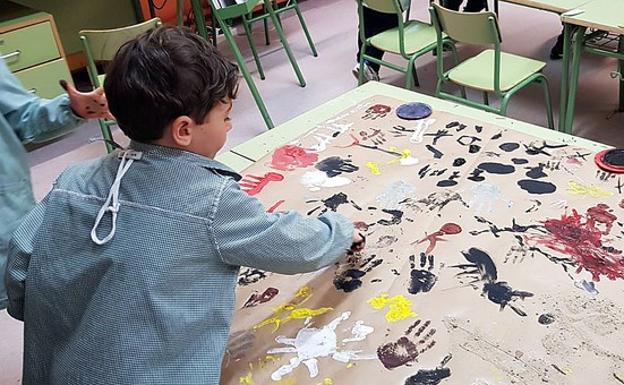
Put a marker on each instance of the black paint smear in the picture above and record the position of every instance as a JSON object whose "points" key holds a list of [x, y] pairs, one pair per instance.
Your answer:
{"points": [[333, 202], [250, 276], [452, 124], [423, 171], [483, 262], [536, 172], [537, 187], [614, 157], [546, 319], [349, 280], [446, 183], [461, 127], [397, 215], [497, 168], [375, 280], [509, 147], [497, 136], [473, 149], [428, 376], [501, 293], [495, 230], [533, 149], [519, 161], [436, 154], [459, 162], [439, 134], [335, 165], [438, 172], [475, 175], [395, 272], [479, 129]]}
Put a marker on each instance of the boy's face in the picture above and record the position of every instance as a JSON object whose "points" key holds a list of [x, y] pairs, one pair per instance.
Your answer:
{"points": [[210, 136]]}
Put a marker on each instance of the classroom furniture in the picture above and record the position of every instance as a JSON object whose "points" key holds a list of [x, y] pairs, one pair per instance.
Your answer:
{"points": [[491, 70], [410, 39], [31, 47], [603, 17], [101, 46]]}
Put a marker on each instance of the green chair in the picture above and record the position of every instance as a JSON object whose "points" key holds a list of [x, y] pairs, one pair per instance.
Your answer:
{"points": [[101, 46], [410, 39], [491, 70]]}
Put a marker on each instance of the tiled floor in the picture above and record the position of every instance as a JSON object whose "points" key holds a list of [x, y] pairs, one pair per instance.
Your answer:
{"points": [[333, 24]]}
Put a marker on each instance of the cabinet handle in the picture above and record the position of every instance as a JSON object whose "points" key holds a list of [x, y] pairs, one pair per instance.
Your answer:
{"points": [[10, 55]]}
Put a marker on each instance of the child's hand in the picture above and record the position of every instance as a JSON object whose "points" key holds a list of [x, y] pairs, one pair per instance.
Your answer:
{"points": [[359, 241], [88, 105]]}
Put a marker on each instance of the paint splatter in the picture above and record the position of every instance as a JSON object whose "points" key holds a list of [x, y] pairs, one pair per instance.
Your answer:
{"points": [[496, 168], [359, 332], [509, 147], [428, 376], [292, 311], [253, 184], [399, 307], [373, 167], [249, 275], [484, 197], [333, 202], [351, 278], [396, 217], [315, 180], [518, 161], [433, 238], [277, 204], [469, 141], [290, 157], [590, 190], [581, 238], [416, 340], [335, 165], [534, 149], [421, 280], [459, 162], [589, 287], [546, 319], [394, 194], [536, 172], [310, 344], [437, 154], [482, 269], [376, 111], [256, 298], [537, 187], [385, 241], [435, 201], [246, 380]]}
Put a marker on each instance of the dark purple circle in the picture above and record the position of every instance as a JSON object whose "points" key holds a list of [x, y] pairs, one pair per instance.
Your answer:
{"points": [[413, 111]]}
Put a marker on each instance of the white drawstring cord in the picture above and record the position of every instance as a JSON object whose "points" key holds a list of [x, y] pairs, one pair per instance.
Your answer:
{"points": [[112, 201]]}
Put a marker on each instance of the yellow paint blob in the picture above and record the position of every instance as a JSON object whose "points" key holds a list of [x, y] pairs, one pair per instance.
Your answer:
{"points": [[326, 381], [246, 380], [293, 309], [374, 168], [350, 365], [591, 190], [399, 307], [405, 153]]}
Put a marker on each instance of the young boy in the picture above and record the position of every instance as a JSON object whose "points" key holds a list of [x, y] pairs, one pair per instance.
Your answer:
{"points": [[125, 273]]}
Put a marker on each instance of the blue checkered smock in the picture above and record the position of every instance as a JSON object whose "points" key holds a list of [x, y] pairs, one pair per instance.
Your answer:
{"points": [[154, 304]]}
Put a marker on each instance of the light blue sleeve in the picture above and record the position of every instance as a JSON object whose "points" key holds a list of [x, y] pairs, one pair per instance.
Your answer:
{"points": [[20, 251], [33, 118], [245, 235]]}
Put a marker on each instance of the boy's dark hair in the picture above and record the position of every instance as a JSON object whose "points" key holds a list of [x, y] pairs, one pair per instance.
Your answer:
{"points": [[164, 74]]}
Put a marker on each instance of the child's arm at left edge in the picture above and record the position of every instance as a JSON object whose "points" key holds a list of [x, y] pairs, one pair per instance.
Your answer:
{"points": [[20, 251], [245, 235]]}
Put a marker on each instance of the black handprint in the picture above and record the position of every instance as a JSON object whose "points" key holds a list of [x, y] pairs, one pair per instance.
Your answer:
{"points": [[335, 165], [422, 280]]}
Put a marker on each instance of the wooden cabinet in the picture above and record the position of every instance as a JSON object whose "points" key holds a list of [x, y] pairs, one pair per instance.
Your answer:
{"points": [[30, 46]]}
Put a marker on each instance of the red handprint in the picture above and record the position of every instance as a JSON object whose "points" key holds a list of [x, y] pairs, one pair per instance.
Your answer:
{"points": [[254, 184]]}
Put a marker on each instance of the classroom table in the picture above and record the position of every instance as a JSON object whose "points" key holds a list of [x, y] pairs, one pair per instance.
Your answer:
{"points": [[557, 6], [600, 15], [398, 312]]}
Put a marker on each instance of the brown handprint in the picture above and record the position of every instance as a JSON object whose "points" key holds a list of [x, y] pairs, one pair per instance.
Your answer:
{"points": [[375, 136], [376, 111], [407, 349]]}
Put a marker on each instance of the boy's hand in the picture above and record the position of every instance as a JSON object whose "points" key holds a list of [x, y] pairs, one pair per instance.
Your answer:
{"points": [[87, 105], [359, 241]]}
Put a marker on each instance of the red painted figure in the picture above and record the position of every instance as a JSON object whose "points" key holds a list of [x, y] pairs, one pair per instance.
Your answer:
{"points": [[446, 229]]}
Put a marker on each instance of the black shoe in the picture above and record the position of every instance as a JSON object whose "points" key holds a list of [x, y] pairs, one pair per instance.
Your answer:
{"points": [[556, 52]]}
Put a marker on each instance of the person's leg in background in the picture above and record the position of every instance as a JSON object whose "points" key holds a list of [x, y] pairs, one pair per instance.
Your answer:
{"points": [[375, 22], [557, 50], [471, 5]]}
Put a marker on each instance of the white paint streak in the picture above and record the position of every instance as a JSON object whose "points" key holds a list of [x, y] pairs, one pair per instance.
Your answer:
{"points": [[359, 331], [420, 129], [484, 197], [395, 193], [315, 180], [408, 161], [311, 344]]}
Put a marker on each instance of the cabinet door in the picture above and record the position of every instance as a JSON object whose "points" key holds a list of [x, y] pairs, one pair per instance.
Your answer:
{"points": [[28, 46], [43, 80]]}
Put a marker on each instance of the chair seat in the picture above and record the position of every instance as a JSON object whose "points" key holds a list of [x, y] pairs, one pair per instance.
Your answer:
{"points": [[478, 71], [418, 36]]}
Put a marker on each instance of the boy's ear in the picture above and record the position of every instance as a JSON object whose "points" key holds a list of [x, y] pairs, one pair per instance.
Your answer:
{"points": [[182, 130]]}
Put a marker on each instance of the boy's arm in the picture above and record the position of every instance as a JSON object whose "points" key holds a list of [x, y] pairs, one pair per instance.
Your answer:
{"points": [[31, 117], [244, 234], [20, 251]]}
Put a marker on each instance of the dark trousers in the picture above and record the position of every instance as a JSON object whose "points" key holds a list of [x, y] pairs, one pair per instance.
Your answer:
{"points": [[471, 5], [375, 22]]}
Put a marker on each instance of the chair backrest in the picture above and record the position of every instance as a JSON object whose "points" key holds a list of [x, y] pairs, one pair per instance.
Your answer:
{"points": [[468, 27], [387, 6], [102, 45]]}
